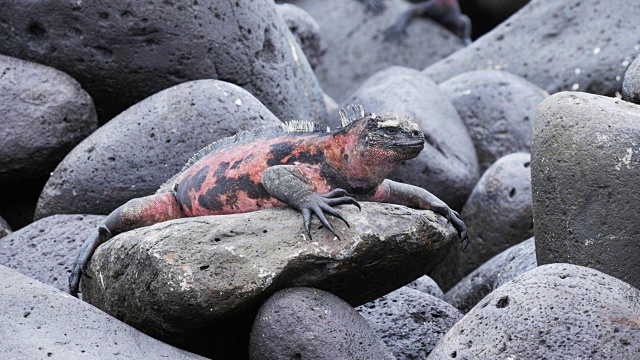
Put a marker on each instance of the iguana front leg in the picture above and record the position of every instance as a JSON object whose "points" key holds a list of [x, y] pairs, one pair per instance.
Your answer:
{"points": [[375, 6], [288, 184], [416, 197]]}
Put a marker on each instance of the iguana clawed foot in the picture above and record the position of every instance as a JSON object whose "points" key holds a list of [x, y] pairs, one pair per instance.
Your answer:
{"points": [[454, 217], [320, 204]]}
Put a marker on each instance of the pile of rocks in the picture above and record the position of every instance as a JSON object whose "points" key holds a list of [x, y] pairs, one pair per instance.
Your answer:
{"points": [[103, 102]]}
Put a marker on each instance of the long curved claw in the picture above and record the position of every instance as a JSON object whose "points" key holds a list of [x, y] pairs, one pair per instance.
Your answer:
{"points": [[321, 204], [460, 226], [306, 218], [335, 213]]}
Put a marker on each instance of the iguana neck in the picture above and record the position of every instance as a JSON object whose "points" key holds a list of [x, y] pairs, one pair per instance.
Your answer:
{"points": [[363, 168]]}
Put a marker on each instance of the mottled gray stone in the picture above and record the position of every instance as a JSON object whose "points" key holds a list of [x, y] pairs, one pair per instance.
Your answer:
{"points": [[583, 45], [197, 282], [123, 51], [307, 323], [498, 215], [501, 269], [136, 152], [448, 165], [410, 322], [631, 83], [46, 249], [40, 322], [356, 48], [5, 229], [306, 31], [45, 113], [427, 285], [558, 311], [497, 107], [585, 176]]}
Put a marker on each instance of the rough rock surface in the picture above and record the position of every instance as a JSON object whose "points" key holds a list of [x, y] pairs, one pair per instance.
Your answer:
{"points": [[45, 113], [356, 48], [189, 281], [427, 285], [40, 322], [5, 229], [585, 176], [305, 30], [498, 215], [501, 269], [558, 311], [46, 249], [307, 323], [498, 108], [141, 148], [122, 51], [631, 83], [448, 166], [558, 45], [410, 322]]}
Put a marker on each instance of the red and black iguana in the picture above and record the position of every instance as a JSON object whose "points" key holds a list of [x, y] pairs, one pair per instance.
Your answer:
{"points": [[294, 164]]}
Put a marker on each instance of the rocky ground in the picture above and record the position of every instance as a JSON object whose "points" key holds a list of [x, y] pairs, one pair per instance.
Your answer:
{"points": [[533, 129]]}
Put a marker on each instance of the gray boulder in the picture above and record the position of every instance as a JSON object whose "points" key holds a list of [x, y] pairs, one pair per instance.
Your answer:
{"points": [[498, 108], [40, 322], [557, 45], [141, 148], [410, 322], [631, 83], [307, 323], [558, 311], [46, 249], [305, 30], [356, 48], [498, 215], [197, 283], [501, 269], [585, 176], [5, 229], [45, 113], [426, 285], [448, 165], [122, 51]]}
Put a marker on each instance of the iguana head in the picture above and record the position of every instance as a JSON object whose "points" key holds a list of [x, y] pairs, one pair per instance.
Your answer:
{"points": [[384, 137]]}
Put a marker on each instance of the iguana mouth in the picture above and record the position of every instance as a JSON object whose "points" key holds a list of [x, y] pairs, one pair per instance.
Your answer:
{"points": [[408, 144]]}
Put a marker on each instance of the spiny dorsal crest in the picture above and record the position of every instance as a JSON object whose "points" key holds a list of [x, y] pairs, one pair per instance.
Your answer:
{"points": [[293, 126], [353, 113], [299, 126]]}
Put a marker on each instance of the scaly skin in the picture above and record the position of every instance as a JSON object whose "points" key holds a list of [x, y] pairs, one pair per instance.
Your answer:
{"points": [[445, 12], [285, 169]]}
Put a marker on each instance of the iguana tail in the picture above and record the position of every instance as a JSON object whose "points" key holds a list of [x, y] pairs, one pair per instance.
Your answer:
{"points": [[135, 213]]}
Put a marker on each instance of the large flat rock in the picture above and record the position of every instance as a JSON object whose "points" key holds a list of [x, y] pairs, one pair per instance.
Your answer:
{"points": [[197, 282]]}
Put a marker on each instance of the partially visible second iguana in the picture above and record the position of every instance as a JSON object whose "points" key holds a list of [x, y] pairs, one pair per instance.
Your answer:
{"points": [[295, 164]]}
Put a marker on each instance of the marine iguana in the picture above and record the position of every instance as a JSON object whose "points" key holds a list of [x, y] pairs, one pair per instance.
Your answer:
{"points": [[295, 164], [445, 12]]}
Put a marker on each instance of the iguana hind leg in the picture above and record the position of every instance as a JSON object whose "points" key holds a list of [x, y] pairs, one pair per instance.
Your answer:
{"points": [[287, 184], [135, 213]]}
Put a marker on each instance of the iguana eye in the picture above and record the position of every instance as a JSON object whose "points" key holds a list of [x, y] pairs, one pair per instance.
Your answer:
{"points": [[391, 131]]}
